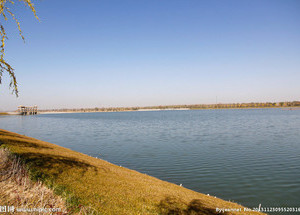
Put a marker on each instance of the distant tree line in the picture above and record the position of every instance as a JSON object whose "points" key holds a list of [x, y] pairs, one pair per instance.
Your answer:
{"points": [[196, 106]]}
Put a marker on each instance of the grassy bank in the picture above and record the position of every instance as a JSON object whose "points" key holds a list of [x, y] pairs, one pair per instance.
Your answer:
{"points": [[16, 188], [105, 188]]}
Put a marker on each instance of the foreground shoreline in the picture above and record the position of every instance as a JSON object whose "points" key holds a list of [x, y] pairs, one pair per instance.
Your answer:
{"points": [[99, 184]]}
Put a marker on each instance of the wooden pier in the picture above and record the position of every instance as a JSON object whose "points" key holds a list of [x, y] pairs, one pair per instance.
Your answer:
{"points": [[23, 110]]}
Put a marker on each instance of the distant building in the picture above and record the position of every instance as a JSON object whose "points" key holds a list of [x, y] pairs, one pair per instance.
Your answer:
{"points": [[23, 110]]}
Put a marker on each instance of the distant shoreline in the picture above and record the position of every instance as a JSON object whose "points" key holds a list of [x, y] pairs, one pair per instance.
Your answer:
{"points": [[252, 105], [295, 105], [149, 110], [139, 110]]}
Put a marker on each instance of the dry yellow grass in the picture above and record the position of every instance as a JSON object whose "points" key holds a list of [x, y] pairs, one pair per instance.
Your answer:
{"points": [[105, 188], [17, 190]]}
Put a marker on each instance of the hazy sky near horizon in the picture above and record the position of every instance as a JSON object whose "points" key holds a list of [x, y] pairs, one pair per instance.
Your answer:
{"points": [[104, 53]]}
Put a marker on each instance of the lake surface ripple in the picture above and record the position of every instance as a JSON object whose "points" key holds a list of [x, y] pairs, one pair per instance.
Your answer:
{"points": [[248, 156]]}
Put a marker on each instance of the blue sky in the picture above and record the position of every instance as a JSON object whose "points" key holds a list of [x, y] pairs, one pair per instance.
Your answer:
{"points": [[104, 53]]}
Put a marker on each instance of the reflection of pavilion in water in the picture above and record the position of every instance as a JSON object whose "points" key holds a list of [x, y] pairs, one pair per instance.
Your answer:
{"points": [[23, 110]]}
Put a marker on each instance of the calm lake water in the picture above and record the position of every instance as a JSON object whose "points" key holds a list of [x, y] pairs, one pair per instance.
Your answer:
{"points": [[249, 156]]}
